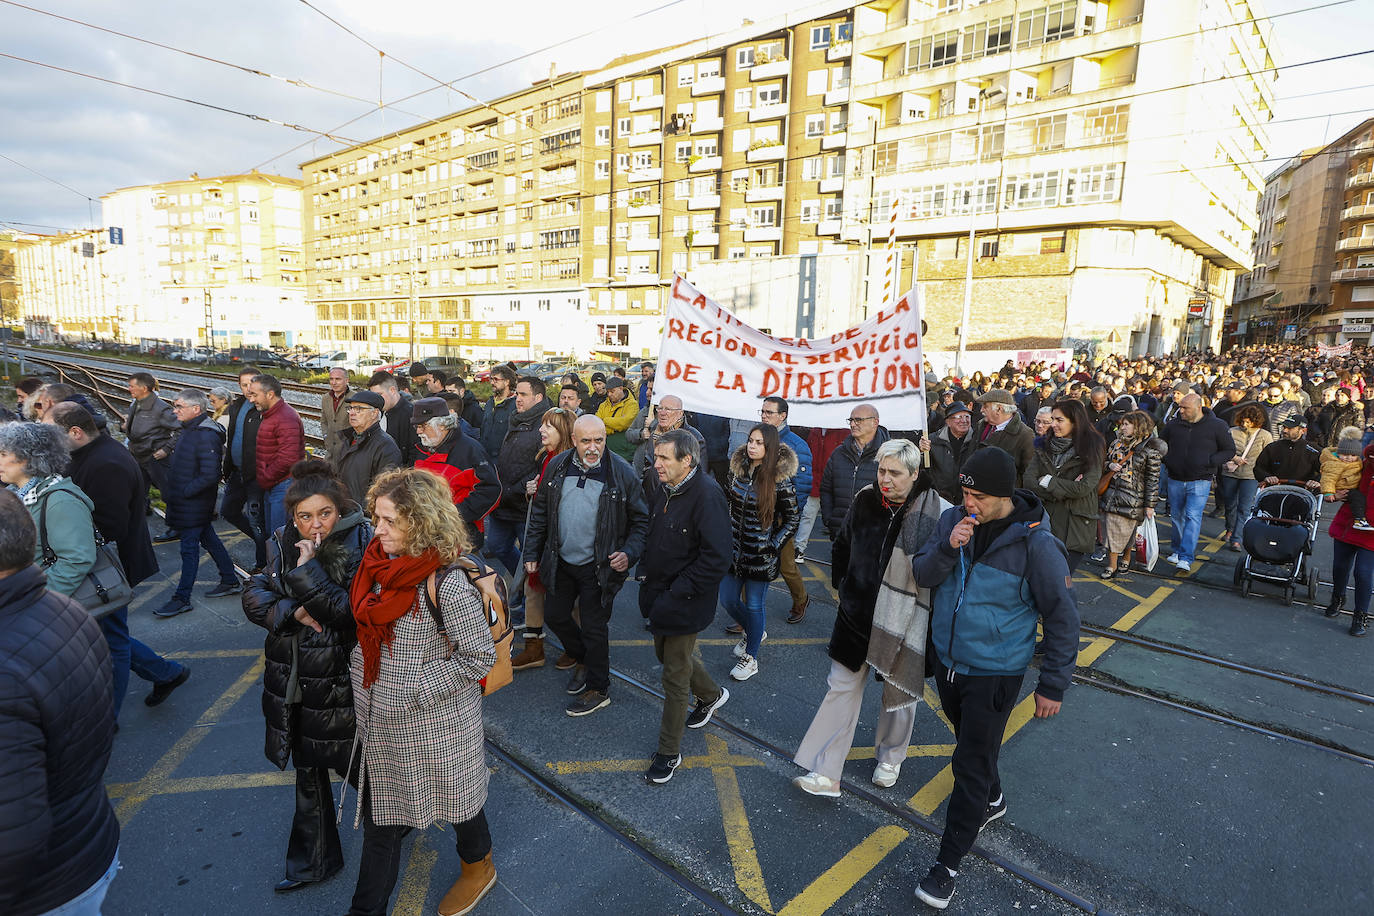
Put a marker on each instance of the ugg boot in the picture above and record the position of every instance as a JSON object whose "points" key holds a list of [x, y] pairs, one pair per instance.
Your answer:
{"points": [[531, 656], [468, 890]]}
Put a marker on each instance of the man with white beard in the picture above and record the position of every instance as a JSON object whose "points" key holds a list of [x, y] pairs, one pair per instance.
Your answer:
{"points": [[441, 447]]}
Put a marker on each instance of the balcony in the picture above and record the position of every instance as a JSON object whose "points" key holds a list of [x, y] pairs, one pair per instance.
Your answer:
{"points": [[705, 164], [642, 244], [763, 234], [708, 85], [832, 185], [837, 96], [704, 239], [759, 195], [839, 51], [771, 70], [767, 112], [1363, 151], [635, 209], [648, 138], [647, 102], [1362, 180], [1352, 273], [1365, 211], [828, 227], [651, 174], [703, 202], [770, 153], [1357, 243], [708, 125], [833, 141]]}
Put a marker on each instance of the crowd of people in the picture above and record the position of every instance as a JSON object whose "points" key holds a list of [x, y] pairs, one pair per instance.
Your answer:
{"points": [[951, 546]]}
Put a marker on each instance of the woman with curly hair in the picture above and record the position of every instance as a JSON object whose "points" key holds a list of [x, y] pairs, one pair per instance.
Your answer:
{"points": [[1238, 485], [423, 648], [1133, 459]]}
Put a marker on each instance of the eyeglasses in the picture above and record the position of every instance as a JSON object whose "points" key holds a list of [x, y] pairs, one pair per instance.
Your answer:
{"points": [[858, 421], [353, 407], [770, 413], [181, 406]]}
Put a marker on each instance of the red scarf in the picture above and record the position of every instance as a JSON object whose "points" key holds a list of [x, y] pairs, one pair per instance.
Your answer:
{"points": [[378, 612]]}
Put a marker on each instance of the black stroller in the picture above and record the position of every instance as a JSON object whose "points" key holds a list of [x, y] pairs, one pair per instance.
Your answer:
{"points": [[1278, 539]]}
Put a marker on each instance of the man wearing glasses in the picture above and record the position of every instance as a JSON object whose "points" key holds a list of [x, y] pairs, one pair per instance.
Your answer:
{"points": [[774, 413], [853, 466], [365, 449], [667, 417]]}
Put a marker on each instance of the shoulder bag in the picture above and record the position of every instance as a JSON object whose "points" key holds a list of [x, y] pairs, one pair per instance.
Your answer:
{"points": [[105, 589]]}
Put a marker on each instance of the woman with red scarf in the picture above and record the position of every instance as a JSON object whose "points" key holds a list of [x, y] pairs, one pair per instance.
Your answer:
{"points": [[555, 432], [417, 691]]}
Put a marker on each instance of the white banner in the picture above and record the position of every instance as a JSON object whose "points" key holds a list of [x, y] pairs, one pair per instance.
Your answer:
{"points": [[719, 365], [1326, 351]]}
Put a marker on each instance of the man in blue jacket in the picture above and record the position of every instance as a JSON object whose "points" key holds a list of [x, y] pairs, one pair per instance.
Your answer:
{"points": [[774, 413], [994, 568]]}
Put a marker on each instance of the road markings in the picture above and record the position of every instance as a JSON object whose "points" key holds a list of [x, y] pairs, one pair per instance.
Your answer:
{"points": [[738, 837], [186, 784], [216, 653], [703, 762], [837, 880], [410, 899]]}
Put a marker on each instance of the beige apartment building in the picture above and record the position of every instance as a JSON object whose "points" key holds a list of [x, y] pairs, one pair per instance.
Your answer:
{"points": [[63, 288]]}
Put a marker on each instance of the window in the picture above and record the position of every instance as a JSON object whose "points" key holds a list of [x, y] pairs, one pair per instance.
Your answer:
{"points": [[744, 58], [1049, 23], [737, 254], [770, 51], [1106, 124], [708, 147], [622, 127], [769, 95], [682, 189], [834, 207], [820, 37], [680, 224], [1037, 189], [601, 235], [817, 81], [682, 151], [984, 39], [685, 74], [810, 211], [1091, 184], [603, 101], [1047, 133], [1052, 244], [815, 125], [765, 216], [885, 158], [708, 68], [739, 218], [744, 99], [603, 168], [603, 135], [812, 169]]}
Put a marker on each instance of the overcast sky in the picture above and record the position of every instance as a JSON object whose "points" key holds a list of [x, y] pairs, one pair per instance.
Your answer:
{"points": [[94, 137]]}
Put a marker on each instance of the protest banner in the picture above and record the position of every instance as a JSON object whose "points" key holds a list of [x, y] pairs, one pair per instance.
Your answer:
{"points": [[719, 365], [1325, 351]]}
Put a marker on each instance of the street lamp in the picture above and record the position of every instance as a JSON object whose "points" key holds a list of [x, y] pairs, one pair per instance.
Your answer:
{"points": [[984, 96]]}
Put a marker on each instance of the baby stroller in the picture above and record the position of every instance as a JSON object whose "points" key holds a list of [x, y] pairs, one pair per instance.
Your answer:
{"points": [[1278, 539]]}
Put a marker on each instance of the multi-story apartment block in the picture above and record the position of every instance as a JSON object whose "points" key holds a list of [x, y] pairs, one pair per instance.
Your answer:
{"points": [[63, 286], [1352, 280]]}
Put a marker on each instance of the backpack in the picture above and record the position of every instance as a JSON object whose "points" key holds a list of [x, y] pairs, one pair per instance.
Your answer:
{"points": [[492, 589]]}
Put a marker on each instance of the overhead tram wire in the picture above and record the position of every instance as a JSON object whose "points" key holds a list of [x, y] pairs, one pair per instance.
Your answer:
{"points": [[90, 201]]}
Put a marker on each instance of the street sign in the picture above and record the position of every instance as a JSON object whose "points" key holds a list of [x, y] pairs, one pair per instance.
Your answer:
{"points": [[116, 235]]}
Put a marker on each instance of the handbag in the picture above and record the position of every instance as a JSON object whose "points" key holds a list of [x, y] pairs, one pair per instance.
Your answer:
{"points": [[106, 588], [1106, 480]]}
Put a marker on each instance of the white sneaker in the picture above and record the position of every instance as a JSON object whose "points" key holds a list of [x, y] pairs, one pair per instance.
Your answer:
{"points": [[1172, 558], [885, 774], [745, 668], [1185, 567], [816, 784], [743, 643]]}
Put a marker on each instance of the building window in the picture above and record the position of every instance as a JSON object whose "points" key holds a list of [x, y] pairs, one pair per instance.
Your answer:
{"points": [[1092, 184], [1106, 124], [820, 37], [885, 158], [1052, 244], [744, 58], [744, 99], [815, 125]]}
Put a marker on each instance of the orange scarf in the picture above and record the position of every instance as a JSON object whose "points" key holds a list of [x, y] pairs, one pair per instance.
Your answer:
{"points": [[377, 612]]}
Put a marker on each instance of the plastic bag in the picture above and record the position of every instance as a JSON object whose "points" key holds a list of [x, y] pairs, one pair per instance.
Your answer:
{"points": [[1147, 544]]}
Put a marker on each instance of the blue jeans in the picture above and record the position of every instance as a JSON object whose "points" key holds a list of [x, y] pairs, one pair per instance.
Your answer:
{"points": [[747, 613], [503, 540], [1187, 498], [1343, 557], [274, 506], [89, 901], [1238, 496], [192, 539], [128, 654]]}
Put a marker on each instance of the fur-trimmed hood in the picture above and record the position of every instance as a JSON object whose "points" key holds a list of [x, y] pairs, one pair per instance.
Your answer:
{"points": [[788, 465]]}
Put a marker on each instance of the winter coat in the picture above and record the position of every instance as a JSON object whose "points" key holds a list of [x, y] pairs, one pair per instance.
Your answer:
{"points": [[396, 424], [58, 833], [419, 726], [495, 421], [466, 454], [252, 420], [333, 419], [644, 443], [109, 475], [859, 557], [298, 662], [280, 444], [1196, 450], [685, 556], [755, 550], [518, 462], [801, 482], [618, 418], [1133, 488], [361, 456], [1016, 439], [1277, 413], [149, 426], [193, 478], [847, 472], [1334, 418], [1257, 439], [1070, 497], [471, 412], [622, 521], [716, 431], [823, 443], [1023, 574], [1288, 460], [947, 456], [70, 530]]}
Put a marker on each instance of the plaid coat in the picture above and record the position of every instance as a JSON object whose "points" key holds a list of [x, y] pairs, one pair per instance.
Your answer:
{"points": [[420, 724]]}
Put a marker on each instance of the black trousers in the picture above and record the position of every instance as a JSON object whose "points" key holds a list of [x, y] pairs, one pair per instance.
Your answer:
{"points": [[590, 642], [313, 852], [155, 475], [381, 862], [978, 708], [239, 497]]}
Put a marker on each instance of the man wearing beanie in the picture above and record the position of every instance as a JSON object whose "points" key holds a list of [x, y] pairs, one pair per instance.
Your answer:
{"points": [[994, 568]]}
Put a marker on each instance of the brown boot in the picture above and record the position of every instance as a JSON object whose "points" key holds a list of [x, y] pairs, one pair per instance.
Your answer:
{"points": [[798, 612], [468, 891], [531, 655], [565, 662]]}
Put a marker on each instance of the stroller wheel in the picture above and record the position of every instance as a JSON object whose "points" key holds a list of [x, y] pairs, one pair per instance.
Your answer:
{"points": [[1245, 586], [1240, 572], [1311, 583], [1288, 594]]}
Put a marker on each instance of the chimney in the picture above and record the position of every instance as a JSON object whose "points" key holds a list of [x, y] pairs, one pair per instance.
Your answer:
{"points": [[553, 71]]}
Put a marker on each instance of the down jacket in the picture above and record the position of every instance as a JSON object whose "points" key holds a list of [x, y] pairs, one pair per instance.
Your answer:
{"points": [[193, 476], [299, 659], [70, 530], [58, 833], [755, 551], [847, 472], [1071, 495], [1133, 488], [680, 587], [280, 443]]}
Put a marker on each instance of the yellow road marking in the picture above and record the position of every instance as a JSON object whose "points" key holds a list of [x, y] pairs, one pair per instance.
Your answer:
{"points": [[783, 641], [149, 785], [208, 783], [572, 767], [1107, 583], [823, 893], [933, 701], [738, 837], [410, 899], [915, 750]]}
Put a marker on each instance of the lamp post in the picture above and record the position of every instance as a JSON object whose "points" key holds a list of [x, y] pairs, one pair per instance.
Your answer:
{"points": [[984, 95]]}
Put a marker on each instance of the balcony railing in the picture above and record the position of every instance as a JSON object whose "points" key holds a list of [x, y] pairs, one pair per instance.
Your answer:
{"points": [[1364, 211], [1362, 180], [1352, 273], [1355, 243]]}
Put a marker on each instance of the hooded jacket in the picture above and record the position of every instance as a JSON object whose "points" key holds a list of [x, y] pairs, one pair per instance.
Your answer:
{"points": [[361, 456], [517, 463], [112, 479], [755, 553], [313, 667], [801, 481], [847, 472], [193, 475], [70, 531], [1196, 450], [680, 588], [984, 611]]}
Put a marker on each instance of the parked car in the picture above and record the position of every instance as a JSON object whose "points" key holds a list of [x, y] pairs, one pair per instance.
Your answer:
{"points": [[327, 360], [258, 356]]}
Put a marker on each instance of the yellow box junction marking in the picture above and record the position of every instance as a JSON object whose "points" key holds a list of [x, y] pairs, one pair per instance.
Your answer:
{"points": [[836, 881], [738, 837]]}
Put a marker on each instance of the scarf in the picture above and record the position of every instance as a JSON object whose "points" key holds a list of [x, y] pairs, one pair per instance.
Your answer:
{"points": [[581, 473], [377, 612]]}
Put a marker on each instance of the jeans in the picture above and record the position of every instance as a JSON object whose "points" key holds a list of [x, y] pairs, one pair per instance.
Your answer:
{"points": [[1164, 487], [89, 901], [128, 654], [747, 613], [381, 863], [1238, 496], [1186, 501], [503, 540], [808, 521], [684, 676], [1343, 557], [274, 506], [242, 508], [192, 539], [588, 642]]}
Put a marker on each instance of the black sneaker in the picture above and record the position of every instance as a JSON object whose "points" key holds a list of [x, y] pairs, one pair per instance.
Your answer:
{"points": [[224, 589], [587, 702], [166, 537], [699, 716], [173, 607], [164, 690], [578, 682], [937, 888], [995, 810], [661, 768]]}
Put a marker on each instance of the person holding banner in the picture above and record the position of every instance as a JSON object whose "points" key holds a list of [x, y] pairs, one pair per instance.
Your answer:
{"points": [[763, 515]]}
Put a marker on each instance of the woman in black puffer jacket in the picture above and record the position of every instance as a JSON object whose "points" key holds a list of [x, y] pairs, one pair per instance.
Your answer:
{"points": [[1134, 459], [763, 514], [301, 599]]}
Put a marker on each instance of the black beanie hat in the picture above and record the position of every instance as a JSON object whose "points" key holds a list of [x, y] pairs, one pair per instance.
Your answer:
{"points": [[989, 470]]}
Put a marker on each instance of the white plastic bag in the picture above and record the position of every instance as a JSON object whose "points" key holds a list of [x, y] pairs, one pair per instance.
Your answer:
{"points": [[1147, 544]]}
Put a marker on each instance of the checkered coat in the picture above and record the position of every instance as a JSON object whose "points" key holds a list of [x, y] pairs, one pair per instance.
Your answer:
{"points": [[420, 735]]}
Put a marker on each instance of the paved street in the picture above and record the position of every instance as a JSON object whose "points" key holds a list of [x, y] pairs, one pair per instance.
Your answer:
{"points": [[1119, 805]]}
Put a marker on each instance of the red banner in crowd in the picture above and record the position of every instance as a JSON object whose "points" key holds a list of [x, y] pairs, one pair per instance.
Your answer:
{"points": [[719, 365]]}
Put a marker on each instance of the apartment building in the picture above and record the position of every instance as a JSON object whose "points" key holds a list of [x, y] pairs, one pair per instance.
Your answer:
{"points": [[1352, 279], [62, 286]]}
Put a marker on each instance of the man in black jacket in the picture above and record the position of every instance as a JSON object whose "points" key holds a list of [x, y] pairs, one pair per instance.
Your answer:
{"points": [[852, 466], [517, 464], [365, 450], [496, 412], [241, 505], [1290, 458], [472, 409], [586, 528], [1199, 444], [459, 459], [109, 475], [685, 561], [948, 449], [59, 838], [396, 408], [151, 430]]}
